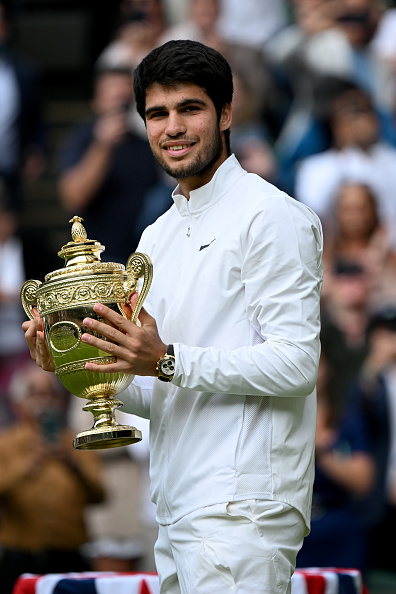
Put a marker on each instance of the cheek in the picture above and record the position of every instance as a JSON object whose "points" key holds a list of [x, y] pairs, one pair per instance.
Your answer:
{"points": [[153, 132]]}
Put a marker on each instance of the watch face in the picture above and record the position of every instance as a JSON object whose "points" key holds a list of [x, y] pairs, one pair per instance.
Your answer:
{"points": [[168, 366]]}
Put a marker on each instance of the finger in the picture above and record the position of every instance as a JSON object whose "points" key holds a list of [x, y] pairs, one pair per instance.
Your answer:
{"points": [[43, 358], [108, 346], [116, 367], [26, 326], [102, 335], [117, 328], [133, 298], [126, 308], [114, 319], [108, 314]]}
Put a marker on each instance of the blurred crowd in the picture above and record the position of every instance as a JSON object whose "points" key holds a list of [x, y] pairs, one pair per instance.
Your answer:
{"points": [[314, 112]]}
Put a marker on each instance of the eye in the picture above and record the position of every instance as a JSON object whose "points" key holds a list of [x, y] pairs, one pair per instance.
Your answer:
{"points": [[191, 108], [157, 115]]}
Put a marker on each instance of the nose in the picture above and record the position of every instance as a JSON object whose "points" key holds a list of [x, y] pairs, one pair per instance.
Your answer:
{"points": [[175, 124]]}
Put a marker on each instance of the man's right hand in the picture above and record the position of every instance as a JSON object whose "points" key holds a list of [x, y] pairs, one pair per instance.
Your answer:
{"points": [[34, 335]]}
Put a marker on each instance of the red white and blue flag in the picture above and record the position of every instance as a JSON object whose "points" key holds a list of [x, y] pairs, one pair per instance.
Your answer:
{"points": [[304, 581]]}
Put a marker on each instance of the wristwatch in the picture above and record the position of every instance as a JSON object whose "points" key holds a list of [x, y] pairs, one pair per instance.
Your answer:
{"points": [[166, 365]]}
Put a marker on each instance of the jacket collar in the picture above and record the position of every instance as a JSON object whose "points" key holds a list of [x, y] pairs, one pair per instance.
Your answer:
{"points": [[205, 196]]}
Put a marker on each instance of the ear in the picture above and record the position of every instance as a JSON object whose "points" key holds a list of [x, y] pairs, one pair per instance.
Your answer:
{"points": [[226, 117]]}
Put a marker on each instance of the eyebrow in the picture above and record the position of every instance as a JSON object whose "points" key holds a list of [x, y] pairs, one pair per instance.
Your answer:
{"points": [[183, 103]]}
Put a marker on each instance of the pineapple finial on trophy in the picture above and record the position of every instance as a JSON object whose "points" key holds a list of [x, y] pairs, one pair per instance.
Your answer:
{"points": [[78, 231]]}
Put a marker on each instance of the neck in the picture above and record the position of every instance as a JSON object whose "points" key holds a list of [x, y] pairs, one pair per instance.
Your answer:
{"points": [[188, 184]]}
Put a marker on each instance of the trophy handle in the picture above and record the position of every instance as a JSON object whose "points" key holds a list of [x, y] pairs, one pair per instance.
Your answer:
{"points": [[139, 265], [29, 296]]}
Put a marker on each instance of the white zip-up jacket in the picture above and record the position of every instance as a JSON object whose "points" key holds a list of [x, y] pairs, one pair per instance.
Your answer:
{"points": [[236, 290]]}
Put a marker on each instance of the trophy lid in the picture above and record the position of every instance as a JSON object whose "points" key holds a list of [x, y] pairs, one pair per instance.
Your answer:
{"points": [[80, 250], [82, 255]]}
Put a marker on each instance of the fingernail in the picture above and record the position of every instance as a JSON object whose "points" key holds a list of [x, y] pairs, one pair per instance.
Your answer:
{"points": [[87, 322], [98, 307], [85, 338], [88, 366]]}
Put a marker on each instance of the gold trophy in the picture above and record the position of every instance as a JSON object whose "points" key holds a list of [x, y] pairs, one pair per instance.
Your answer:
{"points": [[64, 300]]}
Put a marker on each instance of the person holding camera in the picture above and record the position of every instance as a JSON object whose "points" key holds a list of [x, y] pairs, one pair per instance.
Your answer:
{"points": [[107, 170], [376, 388]]}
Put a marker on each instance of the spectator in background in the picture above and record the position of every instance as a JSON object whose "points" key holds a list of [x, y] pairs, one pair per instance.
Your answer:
{"points": [[252, 23], [384, 41], [345, 317], [354, 234], [142, 22], [200, 24], [248, 61], [357, 154], [249, 136], [22, 155], [107, 170], [13, 352], [345, 472], [45, 485], [375, 386], [330, 40]]}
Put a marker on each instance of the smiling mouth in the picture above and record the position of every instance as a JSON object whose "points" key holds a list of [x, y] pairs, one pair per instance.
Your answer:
{"points": [[178, 146]]}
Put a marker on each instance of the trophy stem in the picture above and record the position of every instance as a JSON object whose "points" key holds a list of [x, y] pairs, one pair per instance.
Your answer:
{"points": [[103, 410], [105, 432]]}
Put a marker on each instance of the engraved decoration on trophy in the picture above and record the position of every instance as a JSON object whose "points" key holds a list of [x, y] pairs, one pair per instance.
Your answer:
{"points": [[64, 300]]}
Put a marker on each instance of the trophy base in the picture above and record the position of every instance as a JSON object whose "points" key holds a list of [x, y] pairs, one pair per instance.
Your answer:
{"points": [[106, 437]]}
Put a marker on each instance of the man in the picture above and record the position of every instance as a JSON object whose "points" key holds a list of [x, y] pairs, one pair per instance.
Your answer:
{"points": [[235, 295]]}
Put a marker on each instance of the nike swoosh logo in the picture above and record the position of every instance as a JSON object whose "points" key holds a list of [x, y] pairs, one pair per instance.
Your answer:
{"points": [[207, 245]]}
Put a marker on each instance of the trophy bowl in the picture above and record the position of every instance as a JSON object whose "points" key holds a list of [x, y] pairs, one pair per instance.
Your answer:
{"points": [[64, 300]]}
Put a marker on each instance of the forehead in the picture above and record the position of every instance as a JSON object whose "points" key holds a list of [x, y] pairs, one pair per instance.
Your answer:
{"points": [[170, 96]]}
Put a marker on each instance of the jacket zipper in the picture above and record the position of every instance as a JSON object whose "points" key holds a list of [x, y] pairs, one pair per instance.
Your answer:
{"points": [[189, 228]]}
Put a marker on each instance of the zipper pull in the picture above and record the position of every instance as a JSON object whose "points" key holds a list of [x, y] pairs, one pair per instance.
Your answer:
{"points": [[188, 231]]}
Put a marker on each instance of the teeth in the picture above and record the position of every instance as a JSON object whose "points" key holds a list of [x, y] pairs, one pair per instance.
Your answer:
{"points": [[178, 148]]}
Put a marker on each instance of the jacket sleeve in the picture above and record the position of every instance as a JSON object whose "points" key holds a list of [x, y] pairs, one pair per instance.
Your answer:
{"points": [[282, 274], [136, 398]]}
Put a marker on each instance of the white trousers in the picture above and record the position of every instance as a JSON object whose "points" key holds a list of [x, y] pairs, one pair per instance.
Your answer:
{"points": [[248, 547]]}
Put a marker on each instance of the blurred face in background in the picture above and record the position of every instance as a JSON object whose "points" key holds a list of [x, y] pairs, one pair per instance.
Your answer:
{"points": [[350, 291], [245, 103], [358, 20], [113, 91], [38, 394], [142, 21], [204, 13], [353, 121], [356, 212]]}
